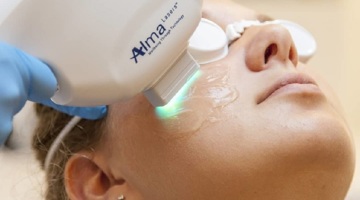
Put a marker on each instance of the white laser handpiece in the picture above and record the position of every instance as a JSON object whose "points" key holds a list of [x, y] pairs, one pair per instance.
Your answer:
{"points": [[105, 51]]}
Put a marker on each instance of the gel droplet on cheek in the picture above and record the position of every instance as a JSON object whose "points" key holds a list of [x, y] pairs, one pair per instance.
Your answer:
{"points": [[217, 74], [190, 118], [203, 102], [216, 87], [222, 96]]}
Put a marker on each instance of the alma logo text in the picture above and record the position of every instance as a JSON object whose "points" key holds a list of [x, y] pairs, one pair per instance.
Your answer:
{"points": [[147, 44]]}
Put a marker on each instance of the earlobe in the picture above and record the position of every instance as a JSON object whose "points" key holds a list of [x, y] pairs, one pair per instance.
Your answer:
{"points": [[84, 179]]}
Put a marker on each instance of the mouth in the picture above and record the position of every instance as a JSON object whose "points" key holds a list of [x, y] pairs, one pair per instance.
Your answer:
{"points": [[290, 82]]}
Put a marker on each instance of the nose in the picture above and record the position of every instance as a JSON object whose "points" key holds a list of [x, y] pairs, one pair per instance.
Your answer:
{"points": [[267, 44]]}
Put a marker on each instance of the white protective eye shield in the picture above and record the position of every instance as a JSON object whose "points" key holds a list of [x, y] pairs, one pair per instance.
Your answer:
{"points": [[209, 42]]}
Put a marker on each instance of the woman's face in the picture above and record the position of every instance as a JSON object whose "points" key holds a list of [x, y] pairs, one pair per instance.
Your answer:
{"points": [[255, 125]]}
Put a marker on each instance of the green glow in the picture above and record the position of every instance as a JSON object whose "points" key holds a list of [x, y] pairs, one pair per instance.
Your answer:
{"points": [[175, 106]]}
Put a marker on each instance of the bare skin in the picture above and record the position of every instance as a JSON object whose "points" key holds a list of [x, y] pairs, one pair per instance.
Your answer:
{"points": [[257, 142]]}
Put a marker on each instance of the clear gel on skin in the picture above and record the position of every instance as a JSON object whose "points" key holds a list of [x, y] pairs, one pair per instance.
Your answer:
{"points": [[202, 102]]}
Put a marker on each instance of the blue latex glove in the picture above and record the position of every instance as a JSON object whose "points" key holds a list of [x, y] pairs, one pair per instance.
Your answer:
{"points": [[22, 78]]}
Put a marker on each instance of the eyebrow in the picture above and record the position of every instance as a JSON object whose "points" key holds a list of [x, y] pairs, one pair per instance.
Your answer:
{"points": [[264, 18]]}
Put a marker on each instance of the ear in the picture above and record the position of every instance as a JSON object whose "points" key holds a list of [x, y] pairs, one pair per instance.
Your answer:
{"points": [[84, 179]]}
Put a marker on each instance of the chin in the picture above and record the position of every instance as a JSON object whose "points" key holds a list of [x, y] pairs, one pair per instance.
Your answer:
{"points": [[314, 147], [322, 151]]}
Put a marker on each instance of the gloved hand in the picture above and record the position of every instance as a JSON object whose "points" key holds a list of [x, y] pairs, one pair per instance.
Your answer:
{"points": [[22, 78]]}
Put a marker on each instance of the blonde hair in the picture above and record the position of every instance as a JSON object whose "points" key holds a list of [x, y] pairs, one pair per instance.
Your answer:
{"points": [[85, 136]]}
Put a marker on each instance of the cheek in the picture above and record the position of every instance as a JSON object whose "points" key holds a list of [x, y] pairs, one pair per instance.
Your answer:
{"points": [[242, 150], [295, 141], [158, 165], [325, 87], [201, 103], [220, 137]]}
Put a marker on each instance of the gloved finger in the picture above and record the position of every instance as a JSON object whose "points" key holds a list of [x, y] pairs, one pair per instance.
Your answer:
{"points": [[43, 82], [43, 86], [91, 113], [34, 80], [13, 82], [6, 120], [36, 77]]}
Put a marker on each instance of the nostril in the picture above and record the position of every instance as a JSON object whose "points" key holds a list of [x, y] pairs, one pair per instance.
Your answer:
{"points": [[270, 51], [293, 56]]}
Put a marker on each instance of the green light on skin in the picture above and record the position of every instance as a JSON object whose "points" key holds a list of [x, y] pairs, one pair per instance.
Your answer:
{"points": [[175, 106]]}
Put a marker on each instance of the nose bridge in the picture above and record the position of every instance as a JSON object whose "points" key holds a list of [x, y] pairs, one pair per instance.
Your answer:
{"points": [[268, 43]]}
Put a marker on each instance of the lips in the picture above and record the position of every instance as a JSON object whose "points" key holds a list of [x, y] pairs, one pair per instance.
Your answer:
{"points": [[285, 81]]}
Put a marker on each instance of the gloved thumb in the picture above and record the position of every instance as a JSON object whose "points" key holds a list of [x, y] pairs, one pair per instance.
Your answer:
{"points": [[43, 83], [43, 86], [6, 127]]}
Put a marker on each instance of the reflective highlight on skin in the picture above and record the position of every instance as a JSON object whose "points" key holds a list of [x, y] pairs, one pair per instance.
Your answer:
{"points": [[216, 87], [210, 93], [175, 106]]}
